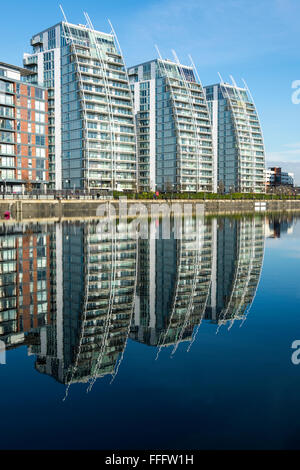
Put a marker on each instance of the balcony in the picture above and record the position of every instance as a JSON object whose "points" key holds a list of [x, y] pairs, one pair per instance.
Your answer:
{"points": [[37, 41], [30, 61]]}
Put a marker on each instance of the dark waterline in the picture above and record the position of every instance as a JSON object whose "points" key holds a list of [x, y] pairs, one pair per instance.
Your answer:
{"points": [[151, 344]]}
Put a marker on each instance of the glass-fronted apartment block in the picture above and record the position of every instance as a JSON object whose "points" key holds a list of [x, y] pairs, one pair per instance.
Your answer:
{"points": [[239, 153], [23, 131], [174, 140], [91, 124]]}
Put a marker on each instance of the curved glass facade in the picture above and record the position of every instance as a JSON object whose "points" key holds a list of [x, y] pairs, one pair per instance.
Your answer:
{"points": [[173, 128], [238, 141], [92, 142]]}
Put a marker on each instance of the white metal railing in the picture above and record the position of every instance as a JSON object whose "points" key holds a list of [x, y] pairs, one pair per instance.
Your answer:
{"points": [[164, 73], [108, 97], [246, 117], [109, 309], [81, 91], [131, 100], [190, 101]]}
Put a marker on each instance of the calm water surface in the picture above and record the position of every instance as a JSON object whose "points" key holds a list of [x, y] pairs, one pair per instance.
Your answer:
{"points": [[154, 344]]}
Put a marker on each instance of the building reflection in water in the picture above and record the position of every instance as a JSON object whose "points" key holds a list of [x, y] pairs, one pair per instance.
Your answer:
{"points": [[95, 301], [75, 298], [278, 225], [173, 285], [238, 264], [25, 283]]}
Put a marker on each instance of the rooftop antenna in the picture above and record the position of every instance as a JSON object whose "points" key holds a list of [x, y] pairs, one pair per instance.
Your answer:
{"points": [[116, 38], [195, 69], [158, 52], [251, 97], [249, 92], [175, 57], [233, 81], [220, 76], [64, 15], [127, 78]]}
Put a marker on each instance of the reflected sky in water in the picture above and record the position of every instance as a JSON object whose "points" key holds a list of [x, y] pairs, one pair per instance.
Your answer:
{"points": [[156, 343]]}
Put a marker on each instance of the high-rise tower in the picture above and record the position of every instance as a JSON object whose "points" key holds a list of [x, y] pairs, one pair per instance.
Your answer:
{"points": [[174, 139], [23, 132], [239, 154], [91, 125]]}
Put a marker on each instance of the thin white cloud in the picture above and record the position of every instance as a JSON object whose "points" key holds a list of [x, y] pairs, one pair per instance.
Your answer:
{"points": [[295, 145], [287, 156], [291, 154]]}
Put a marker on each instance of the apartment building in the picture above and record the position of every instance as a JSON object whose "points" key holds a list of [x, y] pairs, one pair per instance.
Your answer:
{"points": [[239, 155], [23, 132], [275, 177], [174, 139], [92, 141]]}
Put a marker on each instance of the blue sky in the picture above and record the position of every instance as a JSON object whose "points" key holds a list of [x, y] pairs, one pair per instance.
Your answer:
{"points": [[254, 40]]}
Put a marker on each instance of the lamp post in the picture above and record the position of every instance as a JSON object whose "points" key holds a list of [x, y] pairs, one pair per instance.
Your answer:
{"points": [[67, 181]]}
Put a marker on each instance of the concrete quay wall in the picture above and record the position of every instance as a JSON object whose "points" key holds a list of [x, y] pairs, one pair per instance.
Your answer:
{"points": [[54, 209]]}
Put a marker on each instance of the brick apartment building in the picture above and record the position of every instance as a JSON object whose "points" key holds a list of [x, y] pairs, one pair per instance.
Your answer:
{"points": [[23, 132]]}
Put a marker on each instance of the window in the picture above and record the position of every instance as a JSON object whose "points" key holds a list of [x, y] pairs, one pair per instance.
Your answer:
{"points": [[51, 39], [6, 137], [6, 124], [39, 117], [6, 99], [40, 140], [39, 129], [39, 93], [6, 87], [40, 152], [8, 174], [6, 112], [8, 161], [40, 105]]}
